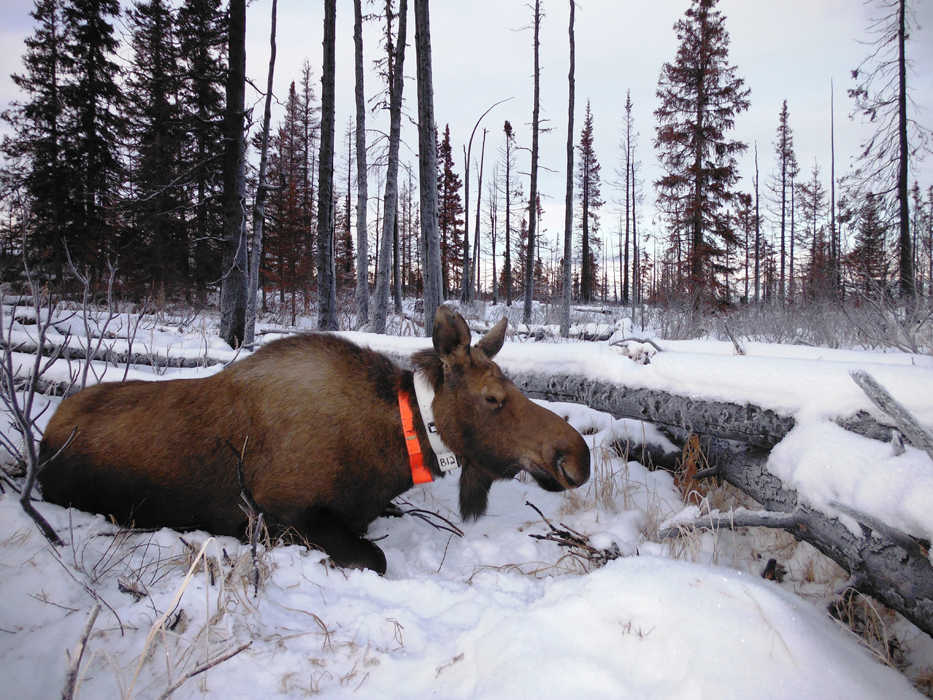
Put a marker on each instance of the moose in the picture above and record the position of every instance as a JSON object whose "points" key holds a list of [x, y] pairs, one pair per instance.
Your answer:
{"points": [[320, 433]]}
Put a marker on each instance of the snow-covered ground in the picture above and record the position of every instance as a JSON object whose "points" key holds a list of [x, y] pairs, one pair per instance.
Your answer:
{"points": [[497, 613]]}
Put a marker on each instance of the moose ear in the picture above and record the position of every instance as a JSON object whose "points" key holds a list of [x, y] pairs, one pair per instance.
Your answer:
{"points": [[491, 343], [451, 332]]}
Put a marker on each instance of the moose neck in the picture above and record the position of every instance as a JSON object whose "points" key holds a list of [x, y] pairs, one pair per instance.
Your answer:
{"points": [[427, 455], [424, 392]]}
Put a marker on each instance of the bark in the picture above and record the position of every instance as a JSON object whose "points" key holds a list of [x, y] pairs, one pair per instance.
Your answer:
{"points": [[362, 194], [533, 198], [427, 166], [259, 208], [568, 197], [327, 284], [390, 207], [233, 288]]}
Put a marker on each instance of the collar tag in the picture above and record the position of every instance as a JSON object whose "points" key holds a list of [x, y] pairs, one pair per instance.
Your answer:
{"points": [[424, 393]]}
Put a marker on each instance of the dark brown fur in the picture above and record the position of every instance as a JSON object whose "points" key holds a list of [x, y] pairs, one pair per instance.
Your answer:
{"points": [[325, 451]]}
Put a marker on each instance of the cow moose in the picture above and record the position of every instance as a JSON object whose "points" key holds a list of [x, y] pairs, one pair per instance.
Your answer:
{"points": [[326, 449]]}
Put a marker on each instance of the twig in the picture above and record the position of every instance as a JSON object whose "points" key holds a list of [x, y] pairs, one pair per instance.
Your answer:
{"points": [[74, 665], [573, 540], [427, 516], [207, 665]]}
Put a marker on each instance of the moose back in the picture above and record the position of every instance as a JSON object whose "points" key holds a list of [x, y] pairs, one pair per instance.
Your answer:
{"points": [[311, 428]]}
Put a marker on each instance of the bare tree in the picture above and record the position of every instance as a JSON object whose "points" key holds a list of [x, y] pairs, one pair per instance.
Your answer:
{"points": [[233, 295], [479, 199], [390, 207], [881, 96], [533, 199], [427, 166], [466, 288], [259, 207], [327, 283], [568, 199], [362, 194]]}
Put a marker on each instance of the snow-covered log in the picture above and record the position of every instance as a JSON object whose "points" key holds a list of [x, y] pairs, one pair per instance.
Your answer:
{"points": [[749, 424], [886, 564], [746, 423], [144, 357]]}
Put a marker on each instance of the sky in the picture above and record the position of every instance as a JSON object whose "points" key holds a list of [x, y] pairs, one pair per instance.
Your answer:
{"points": [[482, 53]]}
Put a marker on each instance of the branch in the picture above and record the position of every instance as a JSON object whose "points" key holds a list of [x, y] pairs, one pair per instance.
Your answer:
{"points": [[730, 521], [204, 667], [903, 419], [578, 543], [74, 665]]}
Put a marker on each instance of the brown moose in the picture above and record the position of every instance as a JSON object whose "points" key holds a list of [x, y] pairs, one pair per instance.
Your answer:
{"points": [[325, 446]]}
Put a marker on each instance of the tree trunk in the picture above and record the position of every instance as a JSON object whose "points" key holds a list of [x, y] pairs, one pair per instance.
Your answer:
{"points": [[362, 234], [390, 206], [757, 233], [568, 195], [466, 276], [259, 209], [233, 289], [327, 284], [427, 166], [906, 258], [479, 199], [533, 199]]}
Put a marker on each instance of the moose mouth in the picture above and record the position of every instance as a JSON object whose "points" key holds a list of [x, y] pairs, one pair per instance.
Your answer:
{"points": [[546, 478]]}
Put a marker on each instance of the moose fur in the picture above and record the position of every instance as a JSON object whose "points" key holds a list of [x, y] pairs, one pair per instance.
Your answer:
{"points": [[324, 449]]}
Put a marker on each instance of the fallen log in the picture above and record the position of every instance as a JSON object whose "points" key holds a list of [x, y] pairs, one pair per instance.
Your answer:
{"points": [[889, 565], [111, 355]]}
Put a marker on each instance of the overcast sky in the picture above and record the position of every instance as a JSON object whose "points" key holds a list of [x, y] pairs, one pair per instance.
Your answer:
{"points": [[482, 51]]}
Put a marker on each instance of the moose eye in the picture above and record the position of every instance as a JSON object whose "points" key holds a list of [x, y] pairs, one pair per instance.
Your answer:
{"points": [[493, 402]]}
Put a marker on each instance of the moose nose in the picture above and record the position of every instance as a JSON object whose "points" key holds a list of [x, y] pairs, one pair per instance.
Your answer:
{"points": [[572, 469]]}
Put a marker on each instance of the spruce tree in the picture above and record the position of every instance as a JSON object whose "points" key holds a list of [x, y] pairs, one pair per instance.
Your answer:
{"points": [[813, 208], [37, 144], [588, 186], [95, 128], [202, 39], [449, 214], [867, 259], [700, 95], [786, 171], [158, 197]]}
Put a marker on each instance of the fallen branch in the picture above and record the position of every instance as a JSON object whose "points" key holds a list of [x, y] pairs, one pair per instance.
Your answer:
{"points": [[729, 521], [903, 419], [207, 665], [577, 543], [74, 663]]}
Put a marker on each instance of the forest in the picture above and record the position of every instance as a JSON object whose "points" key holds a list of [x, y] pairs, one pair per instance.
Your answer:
{"points": [[131, 149]]}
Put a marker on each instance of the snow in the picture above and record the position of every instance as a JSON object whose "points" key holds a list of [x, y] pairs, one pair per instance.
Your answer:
{"points": [[496, 613]]}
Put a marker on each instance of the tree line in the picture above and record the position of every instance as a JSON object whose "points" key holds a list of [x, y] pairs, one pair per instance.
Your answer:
{"points": [[143, 163]]}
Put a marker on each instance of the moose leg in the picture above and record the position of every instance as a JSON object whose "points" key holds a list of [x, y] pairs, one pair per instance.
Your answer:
{"points": [[346, 548]]}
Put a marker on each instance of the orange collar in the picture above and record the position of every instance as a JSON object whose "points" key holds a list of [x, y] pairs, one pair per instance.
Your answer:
{"points": [[419, 472]]}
